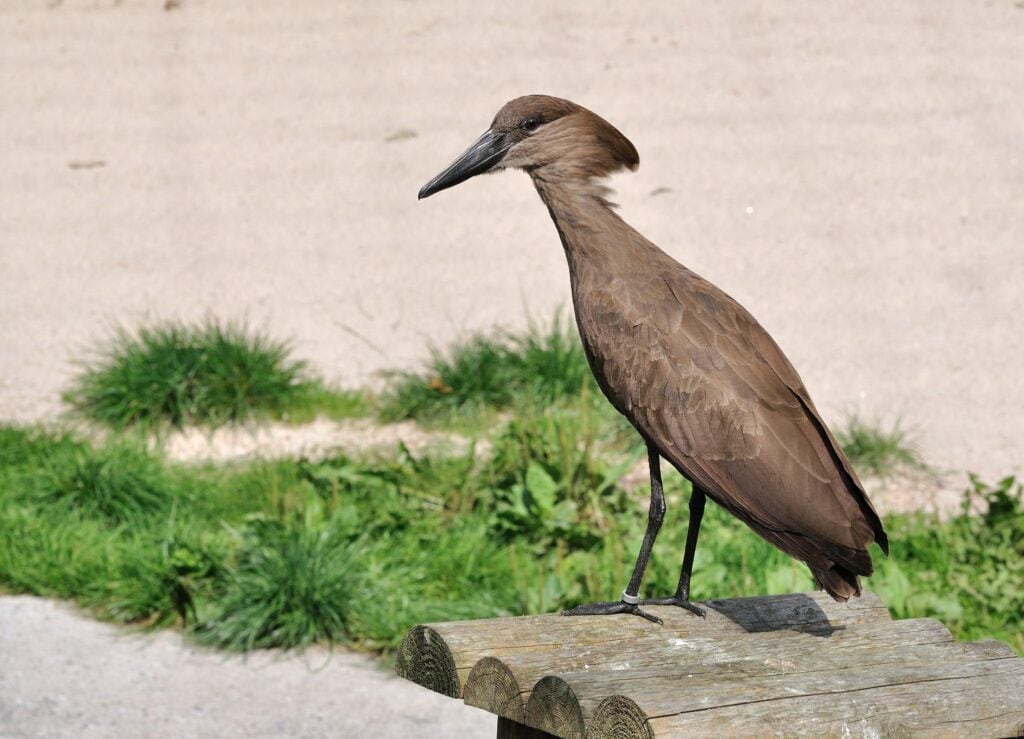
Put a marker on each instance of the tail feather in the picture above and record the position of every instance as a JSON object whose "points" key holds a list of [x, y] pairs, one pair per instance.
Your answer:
{"points": [[838, 582], [835, 568]]}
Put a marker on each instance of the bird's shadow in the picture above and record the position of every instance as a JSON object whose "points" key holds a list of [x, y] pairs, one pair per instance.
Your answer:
{"points": [[795, 612]]}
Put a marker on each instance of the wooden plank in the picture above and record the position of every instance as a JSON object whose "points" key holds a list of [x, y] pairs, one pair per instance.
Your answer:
{"points": [[618, 717], [760, 653], [973, 703], [440, 656], [666, 692], [699, 654], [769, 674], [554, 708], [706, 703]]}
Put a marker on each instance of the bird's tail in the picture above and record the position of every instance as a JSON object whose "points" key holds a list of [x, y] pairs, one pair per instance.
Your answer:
{"points": [[835, 568], [838, 582]]}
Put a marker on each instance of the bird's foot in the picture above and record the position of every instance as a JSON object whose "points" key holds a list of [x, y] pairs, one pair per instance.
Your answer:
{"points": [[608, 608], [676, 600]]}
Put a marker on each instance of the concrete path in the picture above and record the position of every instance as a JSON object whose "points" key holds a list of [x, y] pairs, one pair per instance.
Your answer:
{"points": [[64, 675]]}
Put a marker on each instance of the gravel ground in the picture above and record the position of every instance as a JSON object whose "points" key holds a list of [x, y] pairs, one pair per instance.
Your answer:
{"points": [[852, 172]]}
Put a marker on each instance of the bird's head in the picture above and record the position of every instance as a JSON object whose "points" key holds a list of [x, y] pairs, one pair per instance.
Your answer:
{"points": [[546, 136]]}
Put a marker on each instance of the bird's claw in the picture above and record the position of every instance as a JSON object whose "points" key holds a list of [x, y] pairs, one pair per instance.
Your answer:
{"points": [[609, 608], [676, 600]]}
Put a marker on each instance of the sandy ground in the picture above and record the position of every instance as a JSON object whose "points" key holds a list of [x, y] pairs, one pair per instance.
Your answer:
{"points": [[852, 172]]}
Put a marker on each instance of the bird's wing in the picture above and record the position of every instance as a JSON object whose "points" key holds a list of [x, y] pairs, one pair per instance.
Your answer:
{"points": [[701, 378]]}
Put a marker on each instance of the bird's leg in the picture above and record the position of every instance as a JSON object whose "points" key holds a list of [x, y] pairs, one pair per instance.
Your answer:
{"points": [[630, 602], [682, 596]]}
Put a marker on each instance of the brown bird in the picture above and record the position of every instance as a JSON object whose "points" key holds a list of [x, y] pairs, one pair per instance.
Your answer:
{"points": [[705, 386]]}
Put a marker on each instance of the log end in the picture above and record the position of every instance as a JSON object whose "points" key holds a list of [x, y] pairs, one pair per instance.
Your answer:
{"points": [[619, 717], [554, 708], [425, 659], [492, 686]]}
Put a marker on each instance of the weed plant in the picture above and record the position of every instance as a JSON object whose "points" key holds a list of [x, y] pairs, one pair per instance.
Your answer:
{"points": [[207, 373], [555, 475], [968, 571]]}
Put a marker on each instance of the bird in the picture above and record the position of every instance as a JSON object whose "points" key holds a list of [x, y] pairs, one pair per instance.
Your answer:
{"points": [[705, 386]]}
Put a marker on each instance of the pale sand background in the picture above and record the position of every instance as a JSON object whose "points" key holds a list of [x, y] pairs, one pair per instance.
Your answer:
{"points": [[853, 172]]}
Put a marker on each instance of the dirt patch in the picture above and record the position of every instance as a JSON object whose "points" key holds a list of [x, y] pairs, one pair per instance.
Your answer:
{"points": [[313, 440]]}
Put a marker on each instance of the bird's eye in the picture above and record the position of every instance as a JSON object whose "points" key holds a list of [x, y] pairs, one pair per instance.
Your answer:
{"points": [[531, 124]]}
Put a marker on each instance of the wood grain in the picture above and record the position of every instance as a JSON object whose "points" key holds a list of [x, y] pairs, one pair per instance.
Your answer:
{"points": [[781, 665]]}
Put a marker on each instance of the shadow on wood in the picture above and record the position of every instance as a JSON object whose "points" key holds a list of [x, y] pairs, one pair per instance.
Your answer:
{"points": [[803, 614], [791, 664]]}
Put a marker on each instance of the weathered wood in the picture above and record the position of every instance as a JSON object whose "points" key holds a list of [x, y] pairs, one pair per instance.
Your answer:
{"points": [[492, 686], [554, 708], [972, 705], [618, 717], [669, 692], [425, 659], [458, 645], [787, 665], [704, 654]]}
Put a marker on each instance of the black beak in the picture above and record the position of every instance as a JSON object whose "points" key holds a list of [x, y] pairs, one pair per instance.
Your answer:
{"points": [[485, 152]]}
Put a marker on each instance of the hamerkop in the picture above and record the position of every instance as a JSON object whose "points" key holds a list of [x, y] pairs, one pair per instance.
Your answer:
{"points": [[707, 388]]}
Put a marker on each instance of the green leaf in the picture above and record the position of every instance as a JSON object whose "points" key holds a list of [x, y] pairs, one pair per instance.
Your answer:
{"points": [[542, 488], [564, 515], [315, 513]]}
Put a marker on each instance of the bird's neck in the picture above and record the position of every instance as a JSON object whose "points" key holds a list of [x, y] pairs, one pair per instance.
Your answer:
{"points": [[591, 232]]}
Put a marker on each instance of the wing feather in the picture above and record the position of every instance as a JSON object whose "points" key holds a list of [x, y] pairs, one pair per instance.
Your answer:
{"points": [[698, 376]]}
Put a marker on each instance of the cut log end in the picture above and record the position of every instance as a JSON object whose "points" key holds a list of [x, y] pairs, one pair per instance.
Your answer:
{"points": [[618, 717], [553, 708], [425, 659], [492, 686]]}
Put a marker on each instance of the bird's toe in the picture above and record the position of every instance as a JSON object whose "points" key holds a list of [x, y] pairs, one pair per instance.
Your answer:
{"points": [[609, 608], [685, 604]]}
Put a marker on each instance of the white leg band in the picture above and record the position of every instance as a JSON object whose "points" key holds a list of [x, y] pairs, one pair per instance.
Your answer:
{"points": [[628, 599]]}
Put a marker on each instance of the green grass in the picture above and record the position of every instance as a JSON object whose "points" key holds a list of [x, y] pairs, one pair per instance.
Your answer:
{"points": [[487, 372], [876, 451], [356, 550], [206, 373], [294, 552], [313, 398]]}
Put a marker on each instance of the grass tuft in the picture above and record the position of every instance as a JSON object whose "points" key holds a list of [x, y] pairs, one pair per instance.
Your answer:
{"points": [[292, 586], [120, 483], [873, 450], [206, 373], [492, 371]]}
